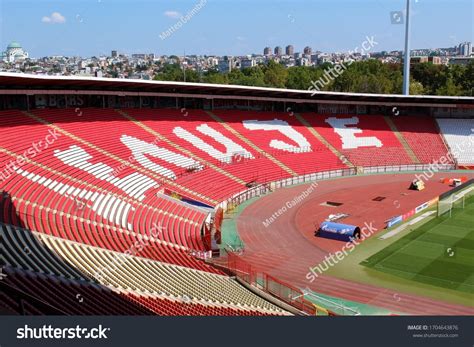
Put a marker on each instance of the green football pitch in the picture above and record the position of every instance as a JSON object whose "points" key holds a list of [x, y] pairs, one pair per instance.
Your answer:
{"points": [[439, 253]]}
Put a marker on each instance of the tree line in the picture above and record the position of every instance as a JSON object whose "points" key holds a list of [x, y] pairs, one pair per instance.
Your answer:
{"points": [[371, 76]]}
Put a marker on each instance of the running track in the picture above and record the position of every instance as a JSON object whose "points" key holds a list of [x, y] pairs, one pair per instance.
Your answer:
{"points": [[287, 248]]}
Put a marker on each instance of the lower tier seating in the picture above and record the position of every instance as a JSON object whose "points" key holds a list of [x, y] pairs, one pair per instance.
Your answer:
{"points": [[48, 261]]}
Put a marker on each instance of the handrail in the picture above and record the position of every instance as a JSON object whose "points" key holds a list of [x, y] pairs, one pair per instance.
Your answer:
{"points": [[271, 285]]}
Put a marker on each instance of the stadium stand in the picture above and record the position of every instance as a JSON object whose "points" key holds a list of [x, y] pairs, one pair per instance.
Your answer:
{"points": [[364, 140], [284, 140], [196, 135], [136, 187], [114, 239], [459, 135], [423, 137], [91, 194], [69, 271]]}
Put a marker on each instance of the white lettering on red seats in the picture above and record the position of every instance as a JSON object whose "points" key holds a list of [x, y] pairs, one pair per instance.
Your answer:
{"points": [[107, 206], [135, 185], [141, 148], [348, 138], [284, 128], [231, 147]]}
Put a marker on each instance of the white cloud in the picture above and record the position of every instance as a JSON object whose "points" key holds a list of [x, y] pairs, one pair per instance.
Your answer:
{"points": [[55, 18], [172, 14]]}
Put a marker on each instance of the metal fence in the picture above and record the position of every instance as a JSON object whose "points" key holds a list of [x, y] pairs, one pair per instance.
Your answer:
{"points": [[269, 284]]}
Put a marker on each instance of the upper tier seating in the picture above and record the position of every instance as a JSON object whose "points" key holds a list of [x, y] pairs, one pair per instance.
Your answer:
{"points": [[459, 135], [195, 134], [422, 135], [364, 140], [53, 186], [284, 138]]}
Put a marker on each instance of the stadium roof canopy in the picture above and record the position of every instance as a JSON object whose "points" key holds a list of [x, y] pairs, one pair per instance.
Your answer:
{"points": [[17, 83]]}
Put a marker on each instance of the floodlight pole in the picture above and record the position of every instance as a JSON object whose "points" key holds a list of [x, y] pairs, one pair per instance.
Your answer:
{"points": [[184, 68], [406, 66]]}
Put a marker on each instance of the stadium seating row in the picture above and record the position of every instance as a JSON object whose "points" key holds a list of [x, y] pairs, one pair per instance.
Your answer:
{"points": [[36, 257], [459, 136]]}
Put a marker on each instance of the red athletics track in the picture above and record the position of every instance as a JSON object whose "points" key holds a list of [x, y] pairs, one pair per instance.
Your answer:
{"points": [[287, 248]]}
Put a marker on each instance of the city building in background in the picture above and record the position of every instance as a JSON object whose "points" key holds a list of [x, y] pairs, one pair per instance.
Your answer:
{"points": [[148, 65], [246, 63], [461, 60], [465, 49], [14, 53], [225, 65]]}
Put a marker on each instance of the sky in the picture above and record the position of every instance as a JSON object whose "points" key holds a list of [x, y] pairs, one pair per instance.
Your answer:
{"points": [[227, 27]]}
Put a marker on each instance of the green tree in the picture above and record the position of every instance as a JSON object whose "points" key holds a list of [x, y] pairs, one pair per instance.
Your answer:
{"points": [[416, 88], [431, 76], [371, 76], [365, 77], [468, 79], [450, 88], [213, 76], [275, 75], [170, 72], [299, 77], [252, 76]]}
